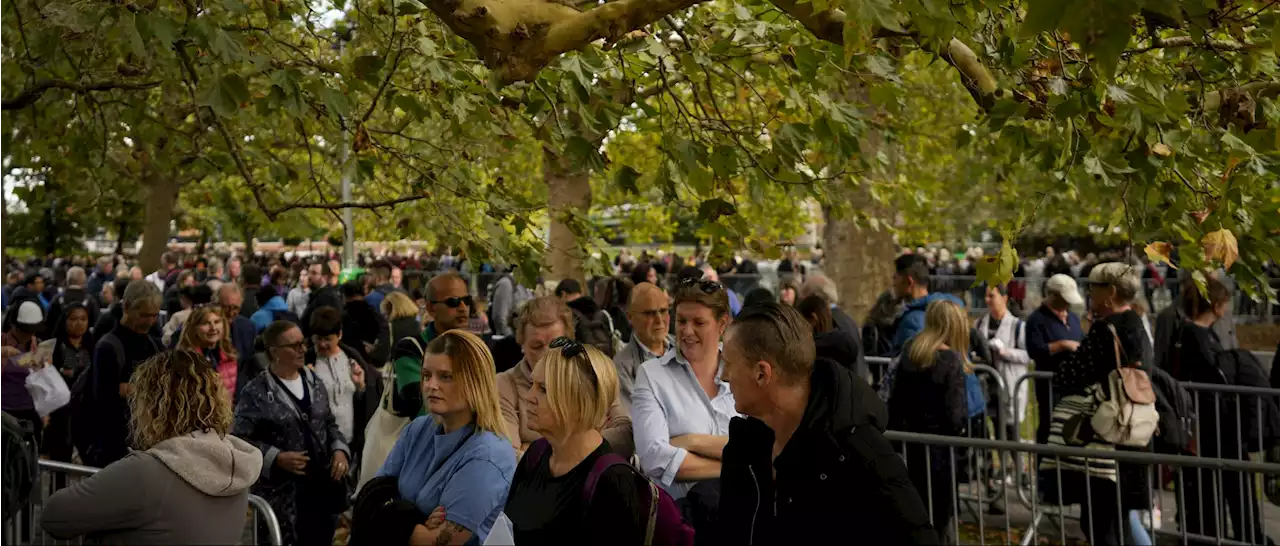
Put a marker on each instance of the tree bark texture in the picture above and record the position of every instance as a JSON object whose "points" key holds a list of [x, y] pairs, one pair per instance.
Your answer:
{"points": [[569, 189], [162, 197]]}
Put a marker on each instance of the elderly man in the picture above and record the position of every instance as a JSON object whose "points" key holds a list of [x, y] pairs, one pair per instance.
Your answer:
{"points": [[231, 299], [101, 424], [836, 344], [74, 293], [807, 419], [649, 312]]}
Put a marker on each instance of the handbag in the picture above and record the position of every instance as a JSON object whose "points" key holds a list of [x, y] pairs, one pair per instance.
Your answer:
{"points": [[48, 389], [380, 436]]}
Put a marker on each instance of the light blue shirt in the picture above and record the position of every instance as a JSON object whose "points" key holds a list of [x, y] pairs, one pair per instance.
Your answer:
{"points": [[470, 480], [667, 401]]}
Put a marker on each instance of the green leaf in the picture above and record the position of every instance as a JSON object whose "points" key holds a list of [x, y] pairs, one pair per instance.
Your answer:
{"points": [[1275, 37], [332, 98], [134, 34], [724, 161], [411, 106], [407, 8], [227, 48], [712, 210], [366, 67], [1043, 16], [626, 177], [588, 154], [224, 95]]}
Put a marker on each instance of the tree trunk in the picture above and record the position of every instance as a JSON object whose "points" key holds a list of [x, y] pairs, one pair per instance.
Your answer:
{"points": [[122, 233], [162, 197], [570, 193], [247, 232], [51, 193], [859, 258], [4, 226]]}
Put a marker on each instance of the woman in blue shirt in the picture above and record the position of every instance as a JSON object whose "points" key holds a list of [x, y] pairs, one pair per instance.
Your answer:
{"points": [[456, 463]]}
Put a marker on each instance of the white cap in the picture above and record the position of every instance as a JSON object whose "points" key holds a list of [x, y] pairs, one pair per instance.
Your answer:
{"points": [[1065, 286], [29, 314]]}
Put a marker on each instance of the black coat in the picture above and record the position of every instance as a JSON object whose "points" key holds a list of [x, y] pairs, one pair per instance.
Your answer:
{"points": [[838, 477], [328, 296]]}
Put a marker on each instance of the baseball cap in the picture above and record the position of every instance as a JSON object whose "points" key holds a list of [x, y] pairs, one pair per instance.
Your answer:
{"points": [[29, 317], [1065, 286]]}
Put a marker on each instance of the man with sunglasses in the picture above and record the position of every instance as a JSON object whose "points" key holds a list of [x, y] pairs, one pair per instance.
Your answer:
{"points": [[449, 299], [650, 314], [323, 293]]}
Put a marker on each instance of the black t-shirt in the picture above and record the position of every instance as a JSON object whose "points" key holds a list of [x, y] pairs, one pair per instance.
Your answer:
{"points": [[545, 509]]}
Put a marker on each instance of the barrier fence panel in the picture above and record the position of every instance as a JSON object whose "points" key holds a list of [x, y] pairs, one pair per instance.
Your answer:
{"points": [[24, 527], [1184, 499]]}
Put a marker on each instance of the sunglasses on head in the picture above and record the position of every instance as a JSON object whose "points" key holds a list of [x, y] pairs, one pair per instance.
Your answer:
{"points": [[707, 287], [453, 303], [570, 349]]}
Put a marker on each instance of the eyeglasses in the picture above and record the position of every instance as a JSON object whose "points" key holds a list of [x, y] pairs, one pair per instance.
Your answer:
{"points": [[654, 313], [453, 303], [707, 287], [295, 346], [570, 349]]}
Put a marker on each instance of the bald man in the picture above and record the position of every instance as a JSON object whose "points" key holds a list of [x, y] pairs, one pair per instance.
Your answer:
{"points": [[650, 313]]}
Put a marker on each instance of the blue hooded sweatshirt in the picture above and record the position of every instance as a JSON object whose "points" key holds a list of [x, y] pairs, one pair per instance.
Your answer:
{"points": [[912, 319], [264, 316]]}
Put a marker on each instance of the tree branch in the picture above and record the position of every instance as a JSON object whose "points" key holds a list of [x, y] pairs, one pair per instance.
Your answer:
{"points": [[33, 93], [1213, 99], [1188, 41], [367, 205]]}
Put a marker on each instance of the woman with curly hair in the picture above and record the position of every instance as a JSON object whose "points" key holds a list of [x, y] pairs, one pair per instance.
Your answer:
{"points": [[187, 483]]}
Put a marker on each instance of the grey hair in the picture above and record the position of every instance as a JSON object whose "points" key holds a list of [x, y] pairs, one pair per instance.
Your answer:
{"points": [[819, 285], [215, 264], [76, 276], [224, 288], [139, 293]]}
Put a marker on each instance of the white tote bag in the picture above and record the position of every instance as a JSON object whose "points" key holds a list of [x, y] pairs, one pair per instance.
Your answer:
{"points": [[48, 390], [380, 435], [501, 534]]}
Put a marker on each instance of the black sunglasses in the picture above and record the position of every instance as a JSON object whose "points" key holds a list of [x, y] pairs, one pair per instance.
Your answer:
{"points": [[453, 303], [707, 287], [570, 349]]}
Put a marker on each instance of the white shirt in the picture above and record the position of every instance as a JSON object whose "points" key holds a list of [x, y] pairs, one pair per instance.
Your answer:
{"points": [[335, 373], [667, 401], [294, 385]]}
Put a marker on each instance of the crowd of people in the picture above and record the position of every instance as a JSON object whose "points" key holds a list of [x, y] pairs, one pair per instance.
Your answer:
{"points": [[653, 405]]}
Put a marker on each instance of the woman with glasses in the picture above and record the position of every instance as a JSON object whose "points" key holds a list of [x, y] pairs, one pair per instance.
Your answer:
{"points": [[680, 405], [573, 388], [205, 332], [284, 411], [540, 322], [454, 465], [187, 483]]}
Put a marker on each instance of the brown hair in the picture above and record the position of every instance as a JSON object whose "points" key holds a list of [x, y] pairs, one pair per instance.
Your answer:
{"points": [[717, 300], [777, 334], [1194, 303], [176, 393], [544, 309], [189, 338], [817, 309]]}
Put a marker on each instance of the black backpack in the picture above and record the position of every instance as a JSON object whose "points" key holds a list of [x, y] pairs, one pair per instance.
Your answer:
{"points": [[285, 314], [1259, 414], [1177, 414], [21, 466], [596, 330]]}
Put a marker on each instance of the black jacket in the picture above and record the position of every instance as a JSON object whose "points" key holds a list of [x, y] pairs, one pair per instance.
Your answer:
{"points": [[328, 296], [69, 296], [844, 349], [837, 478]]}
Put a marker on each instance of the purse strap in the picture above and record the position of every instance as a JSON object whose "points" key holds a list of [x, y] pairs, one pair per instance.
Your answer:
{"points": [[1115, 339]]}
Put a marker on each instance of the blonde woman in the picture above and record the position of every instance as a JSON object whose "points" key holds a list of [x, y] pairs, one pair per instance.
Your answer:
{"points": [[402, 317], [456, 463], [928, 396], [205, 332], [574, 386], [189, 481]]}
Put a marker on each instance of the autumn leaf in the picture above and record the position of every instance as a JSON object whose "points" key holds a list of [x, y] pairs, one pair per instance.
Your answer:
{"points": [[997, 269], [361, 142], [1231, 166], [1159, 252], [1161, 149], [1221, 245]]}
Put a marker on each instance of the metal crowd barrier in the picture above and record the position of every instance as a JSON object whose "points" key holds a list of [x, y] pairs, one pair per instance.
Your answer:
{"points": [[1230, 482], [24, 527]]}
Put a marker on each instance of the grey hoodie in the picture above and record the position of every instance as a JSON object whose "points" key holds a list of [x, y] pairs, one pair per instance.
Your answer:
{"points": [[191, 489]]}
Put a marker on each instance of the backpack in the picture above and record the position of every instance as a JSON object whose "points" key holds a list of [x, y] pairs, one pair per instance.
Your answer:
{"points": [[596, 330], [1175, 434], [666, 524], [285, 314], [877, 340], [401, 405], [1127, 415], [21, 466], [84, 395], [1258, 414]]}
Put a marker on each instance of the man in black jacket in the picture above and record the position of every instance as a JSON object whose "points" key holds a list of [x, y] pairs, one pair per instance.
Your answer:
{"points": [[810, 464], [323, 293]]}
